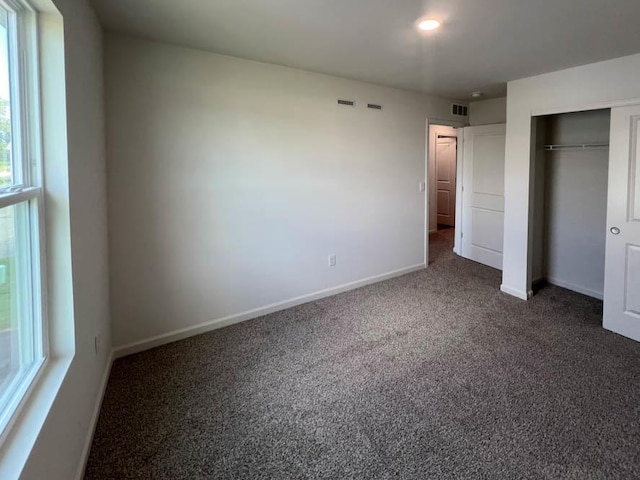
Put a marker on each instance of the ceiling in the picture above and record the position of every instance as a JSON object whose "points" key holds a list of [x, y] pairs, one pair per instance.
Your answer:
{"points": [[480, 46]]}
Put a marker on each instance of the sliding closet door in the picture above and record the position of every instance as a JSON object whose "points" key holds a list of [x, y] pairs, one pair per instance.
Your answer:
{"points": [[483, 194], [622, 268]]}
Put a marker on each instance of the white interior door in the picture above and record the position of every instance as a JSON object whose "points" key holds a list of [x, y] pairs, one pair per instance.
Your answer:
{"points": [[622, 264], [446, 178], [483, 194]]}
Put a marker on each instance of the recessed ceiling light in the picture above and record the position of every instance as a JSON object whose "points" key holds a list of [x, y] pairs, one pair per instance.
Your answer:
{"points": [[476, 94], [428, 24]]}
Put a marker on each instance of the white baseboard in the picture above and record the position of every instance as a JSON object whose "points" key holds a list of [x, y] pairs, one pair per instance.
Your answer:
{"points": [[86, 449], [521, 294], [575, 288], [187, 332]]}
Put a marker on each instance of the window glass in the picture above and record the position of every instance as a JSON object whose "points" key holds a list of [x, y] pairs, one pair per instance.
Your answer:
{"points": [[6, 164], [18, 348]]}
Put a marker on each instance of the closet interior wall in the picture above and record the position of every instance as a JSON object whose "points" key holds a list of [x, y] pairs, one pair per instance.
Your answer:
{"points": [[570, 200]]}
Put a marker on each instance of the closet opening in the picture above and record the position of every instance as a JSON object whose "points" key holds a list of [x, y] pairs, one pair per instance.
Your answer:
{"points": [[570, 181]]}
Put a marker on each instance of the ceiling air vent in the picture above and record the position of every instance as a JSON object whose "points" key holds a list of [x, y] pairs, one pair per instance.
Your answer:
{"points": [[348, 103], [460, 110], [374, 106]]}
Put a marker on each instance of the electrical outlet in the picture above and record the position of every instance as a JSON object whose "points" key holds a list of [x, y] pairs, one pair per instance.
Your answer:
{"points": [[421, 186], [332, 260]]}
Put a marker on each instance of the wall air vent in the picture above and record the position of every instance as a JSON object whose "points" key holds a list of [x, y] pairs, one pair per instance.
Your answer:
{"points": [[374, 106], [460, 110], [348, 103]]}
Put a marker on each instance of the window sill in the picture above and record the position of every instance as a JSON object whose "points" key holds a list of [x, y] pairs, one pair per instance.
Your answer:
{"points": [[22, 434]]}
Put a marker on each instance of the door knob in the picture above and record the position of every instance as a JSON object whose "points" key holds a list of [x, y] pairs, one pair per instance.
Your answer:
{"points": [[615, 230]]}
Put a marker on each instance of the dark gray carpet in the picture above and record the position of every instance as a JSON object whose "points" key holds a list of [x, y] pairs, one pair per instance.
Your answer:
{"points": [[432, 375]]}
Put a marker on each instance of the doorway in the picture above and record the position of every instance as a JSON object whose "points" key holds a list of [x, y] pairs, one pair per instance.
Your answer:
{"points": [[442, 187], [586, 227], [570, 173], [465, 204]]}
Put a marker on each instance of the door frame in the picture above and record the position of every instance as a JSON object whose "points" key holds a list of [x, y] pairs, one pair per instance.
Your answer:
{"points": [[447, 123]]}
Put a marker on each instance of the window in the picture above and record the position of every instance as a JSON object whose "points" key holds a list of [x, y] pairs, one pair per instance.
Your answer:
{"points": [[22, 332]]}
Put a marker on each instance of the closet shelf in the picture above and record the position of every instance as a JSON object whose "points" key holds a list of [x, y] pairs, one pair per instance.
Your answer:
{"points": [[580, 146]]}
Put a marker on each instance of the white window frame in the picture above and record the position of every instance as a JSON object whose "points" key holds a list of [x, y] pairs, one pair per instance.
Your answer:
{"points": [[27, 189]]}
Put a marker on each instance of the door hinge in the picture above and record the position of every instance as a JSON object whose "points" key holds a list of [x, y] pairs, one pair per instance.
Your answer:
{"points": [[461, 234]]}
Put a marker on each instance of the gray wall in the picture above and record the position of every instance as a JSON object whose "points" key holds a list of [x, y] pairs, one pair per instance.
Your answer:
{"points": [[232, 181], [487, 112]]}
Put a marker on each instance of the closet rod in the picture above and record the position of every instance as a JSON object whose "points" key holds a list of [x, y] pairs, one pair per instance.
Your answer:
{"points": [[582, 146]]}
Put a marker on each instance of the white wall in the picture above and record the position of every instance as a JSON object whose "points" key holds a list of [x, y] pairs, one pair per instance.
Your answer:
{"points": [[487, 112], [598, 85], [78, 265], [575, 203], [231, 181]]}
